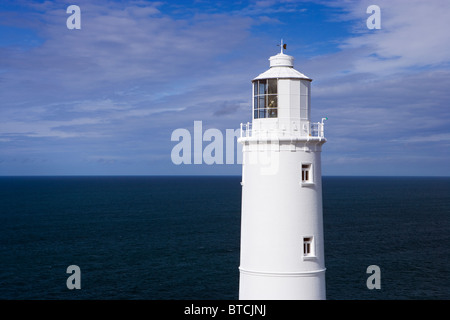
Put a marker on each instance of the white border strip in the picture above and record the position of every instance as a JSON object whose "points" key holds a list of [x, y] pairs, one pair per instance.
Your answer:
{"points": [[283, 274]]}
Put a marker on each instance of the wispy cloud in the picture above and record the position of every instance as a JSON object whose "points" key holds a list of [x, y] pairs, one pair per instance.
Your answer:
{"points": [[113, 91], [139, 53], [439, 137], [413, 34]]}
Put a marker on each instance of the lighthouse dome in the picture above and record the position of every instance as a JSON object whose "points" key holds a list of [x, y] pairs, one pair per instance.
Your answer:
{"points": [[281, 60], [282, 66]]}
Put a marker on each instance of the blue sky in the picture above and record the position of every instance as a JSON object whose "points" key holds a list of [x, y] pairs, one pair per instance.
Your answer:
{"points": [[105, 99]]}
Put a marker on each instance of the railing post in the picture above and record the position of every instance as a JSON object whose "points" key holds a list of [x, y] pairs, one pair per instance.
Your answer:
{"points": [[322, 126]]}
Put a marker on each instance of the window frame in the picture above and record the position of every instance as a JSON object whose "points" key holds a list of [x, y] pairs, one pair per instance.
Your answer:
{"points": [[308, 247], [265, 98], [309, 172]]}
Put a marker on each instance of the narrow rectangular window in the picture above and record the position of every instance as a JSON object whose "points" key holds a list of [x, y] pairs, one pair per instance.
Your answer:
{"points": [[308, 248], [306, 172]]}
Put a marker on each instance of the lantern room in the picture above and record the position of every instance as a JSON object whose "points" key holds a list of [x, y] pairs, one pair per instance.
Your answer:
{"points": [[281, 98]]}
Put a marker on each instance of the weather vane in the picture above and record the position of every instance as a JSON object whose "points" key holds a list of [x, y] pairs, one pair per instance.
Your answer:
{"points": [[283, 46]]}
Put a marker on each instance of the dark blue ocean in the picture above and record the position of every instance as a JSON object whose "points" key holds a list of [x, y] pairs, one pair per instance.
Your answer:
{"points": [[178, 237]]}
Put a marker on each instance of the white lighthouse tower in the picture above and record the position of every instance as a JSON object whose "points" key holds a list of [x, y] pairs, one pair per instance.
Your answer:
{"points": [[282, 246]]}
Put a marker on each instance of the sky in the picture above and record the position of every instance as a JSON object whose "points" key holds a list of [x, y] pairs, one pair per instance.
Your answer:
{"points": [[106, 98]]}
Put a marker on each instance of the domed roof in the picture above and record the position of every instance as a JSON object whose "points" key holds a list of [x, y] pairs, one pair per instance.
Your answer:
{"points": [[282, 66]]}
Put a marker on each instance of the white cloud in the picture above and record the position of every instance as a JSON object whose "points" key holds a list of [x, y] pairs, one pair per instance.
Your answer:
{"points": [[121, 65], [413, 34], [133, 73], [439, 137], [44, 128]]}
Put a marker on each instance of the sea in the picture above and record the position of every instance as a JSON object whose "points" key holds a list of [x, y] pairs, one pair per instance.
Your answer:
{"points": [[177, 237]]}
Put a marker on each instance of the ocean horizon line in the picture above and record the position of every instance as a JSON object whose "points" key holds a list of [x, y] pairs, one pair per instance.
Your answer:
{"points": [[208, 175]]}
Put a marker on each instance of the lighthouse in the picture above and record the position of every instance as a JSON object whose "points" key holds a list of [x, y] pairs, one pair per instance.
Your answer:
{"points": [[282, 244]]}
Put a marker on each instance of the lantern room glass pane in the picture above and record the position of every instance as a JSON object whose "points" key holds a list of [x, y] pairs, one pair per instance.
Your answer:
{"points": [[262, 113], [262, 87], [272, 86], [262, 102], [272, 101]]}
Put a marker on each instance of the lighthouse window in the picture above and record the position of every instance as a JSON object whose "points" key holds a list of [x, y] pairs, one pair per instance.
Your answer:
{"points": [[306, 172], [308, 248], [265, 102]]}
